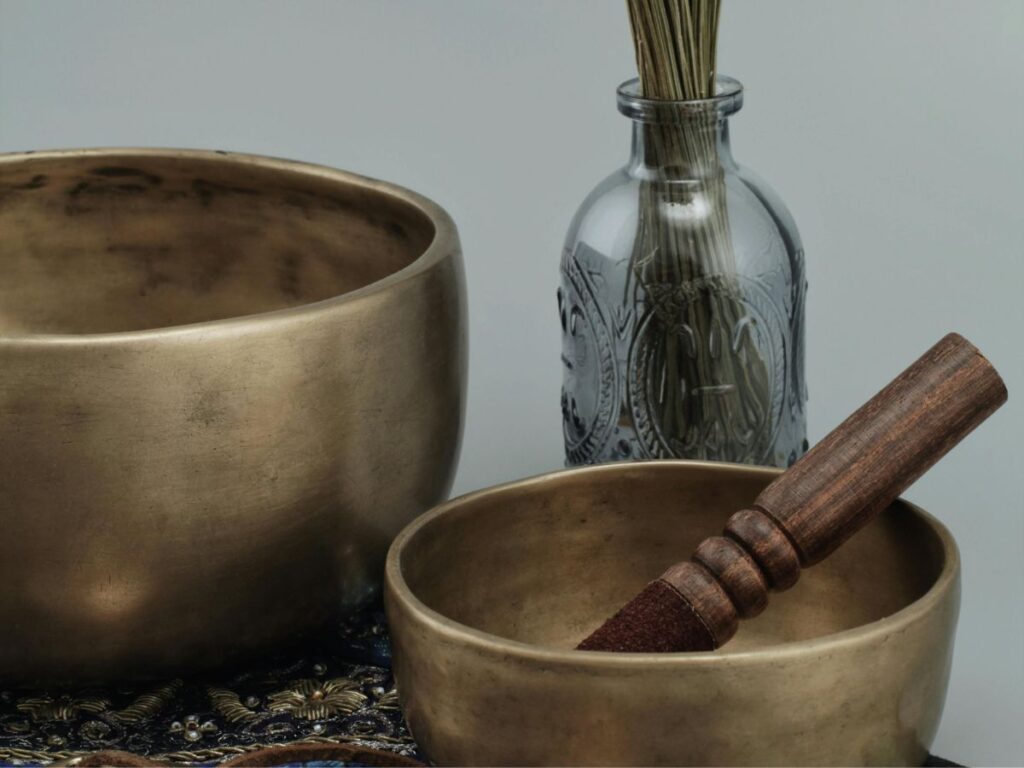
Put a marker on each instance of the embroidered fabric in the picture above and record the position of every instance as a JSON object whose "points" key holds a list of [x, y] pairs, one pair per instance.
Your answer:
{"points": [[334, 688]]}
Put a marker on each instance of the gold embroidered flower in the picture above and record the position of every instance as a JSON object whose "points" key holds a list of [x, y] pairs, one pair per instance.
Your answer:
{"points": [[63, 707], [387, 700], [317, 699]]}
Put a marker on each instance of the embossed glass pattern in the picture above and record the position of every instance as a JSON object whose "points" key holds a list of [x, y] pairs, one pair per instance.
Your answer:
{"points": [[682, 300]]}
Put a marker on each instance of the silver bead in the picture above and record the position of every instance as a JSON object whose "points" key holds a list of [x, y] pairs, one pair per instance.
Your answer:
{"points": [[193, 735]]}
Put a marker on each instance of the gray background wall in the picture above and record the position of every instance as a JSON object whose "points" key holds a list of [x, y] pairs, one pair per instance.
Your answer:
{"points": [[892, 128]]}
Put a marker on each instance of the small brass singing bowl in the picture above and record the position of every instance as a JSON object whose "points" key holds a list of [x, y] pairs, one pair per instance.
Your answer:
{"points": [[226, 382], [488, 594]]}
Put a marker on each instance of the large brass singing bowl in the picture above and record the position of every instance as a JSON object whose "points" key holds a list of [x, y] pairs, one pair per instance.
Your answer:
{"points": [[226, 382], [488, 594]]}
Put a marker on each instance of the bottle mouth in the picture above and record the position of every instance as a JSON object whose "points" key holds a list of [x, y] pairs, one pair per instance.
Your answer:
{"points": [[727, 100]]}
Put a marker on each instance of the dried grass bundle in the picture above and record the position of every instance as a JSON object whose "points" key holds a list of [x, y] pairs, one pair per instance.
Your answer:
{"points": [[706, 380], [676, 45]]}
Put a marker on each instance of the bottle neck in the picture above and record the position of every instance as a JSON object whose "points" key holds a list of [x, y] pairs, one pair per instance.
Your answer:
{"points": [[686, 150]]}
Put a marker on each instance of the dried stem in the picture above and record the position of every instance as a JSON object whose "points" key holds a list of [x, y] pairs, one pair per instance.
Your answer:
{"points": [[708, 384]]}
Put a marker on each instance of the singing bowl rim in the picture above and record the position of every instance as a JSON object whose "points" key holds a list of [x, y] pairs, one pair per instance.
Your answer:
{"points": [[445, 233], [396, 588]]}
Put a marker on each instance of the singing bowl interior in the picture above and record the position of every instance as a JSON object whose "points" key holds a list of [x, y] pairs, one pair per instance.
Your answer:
{"points": [[498, 587], [105, 242], [546, 568]]}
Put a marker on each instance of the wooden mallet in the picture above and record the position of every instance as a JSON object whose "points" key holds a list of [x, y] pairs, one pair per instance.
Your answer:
{"points": [[824, 498]]}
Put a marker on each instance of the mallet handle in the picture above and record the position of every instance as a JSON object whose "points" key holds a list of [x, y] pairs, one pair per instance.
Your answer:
{"points": [[858, 470]]}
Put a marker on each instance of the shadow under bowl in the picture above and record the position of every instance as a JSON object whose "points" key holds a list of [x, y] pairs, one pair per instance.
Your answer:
{"points": [[488, 594], [226, 382]]}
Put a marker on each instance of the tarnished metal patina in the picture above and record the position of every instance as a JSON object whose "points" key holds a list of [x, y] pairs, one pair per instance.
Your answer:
{"points": [[226, 382], [488, 595]]}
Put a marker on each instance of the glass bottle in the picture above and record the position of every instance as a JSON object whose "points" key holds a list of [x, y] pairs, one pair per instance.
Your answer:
{"points": [[682, 300]]}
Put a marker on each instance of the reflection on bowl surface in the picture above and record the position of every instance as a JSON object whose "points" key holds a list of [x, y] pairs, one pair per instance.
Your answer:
{"points": [[488, 595], [211, 366]]}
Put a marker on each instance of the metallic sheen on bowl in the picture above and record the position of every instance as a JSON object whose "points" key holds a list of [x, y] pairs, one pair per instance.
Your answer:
{"points": [[488, 594], [226, 382]]}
